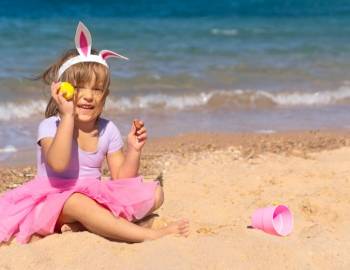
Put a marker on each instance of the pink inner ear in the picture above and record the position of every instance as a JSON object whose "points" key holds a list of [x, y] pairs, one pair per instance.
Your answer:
{"points": [[84, 44], [106, 54]]}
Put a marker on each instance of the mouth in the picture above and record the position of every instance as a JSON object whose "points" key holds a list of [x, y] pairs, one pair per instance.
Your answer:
{"points": [[86, 107]]}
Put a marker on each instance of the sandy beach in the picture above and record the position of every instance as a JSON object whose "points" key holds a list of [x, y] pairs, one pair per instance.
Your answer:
{"points": [[246, 105], [217, 181]]}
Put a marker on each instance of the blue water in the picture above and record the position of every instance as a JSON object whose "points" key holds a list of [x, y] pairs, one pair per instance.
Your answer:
{"points": [[248, 65], [177, 9]]}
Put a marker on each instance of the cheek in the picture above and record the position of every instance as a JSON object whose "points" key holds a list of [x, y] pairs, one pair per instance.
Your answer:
{"points": [[101, 103], [99, 109], [99, 106]]}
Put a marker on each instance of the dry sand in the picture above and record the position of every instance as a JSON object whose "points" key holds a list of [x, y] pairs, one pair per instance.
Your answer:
{"points": [[217, 181]]}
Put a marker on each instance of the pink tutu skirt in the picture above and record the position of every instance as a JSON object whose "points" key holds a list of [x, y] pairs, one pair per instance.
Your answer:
{"points": [[34, 207]]}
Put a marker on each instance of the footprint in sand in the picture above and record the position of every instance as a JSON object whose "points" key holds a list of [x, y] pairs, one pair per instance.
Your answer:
{"points": [[308, 209], [314, 212], [212, 230], [311, 231], [206, 231]]}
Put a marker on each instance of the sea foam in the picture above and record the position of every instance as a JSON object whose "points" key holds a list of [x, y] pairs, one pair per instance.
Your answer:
{"points": [[215, 99]]}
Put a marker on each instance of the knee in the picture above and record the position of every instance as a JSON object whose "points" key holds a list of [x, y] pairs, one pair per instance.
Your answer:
{"points": [[75, 199], [159, 197], [69, 209], [76, 202]]}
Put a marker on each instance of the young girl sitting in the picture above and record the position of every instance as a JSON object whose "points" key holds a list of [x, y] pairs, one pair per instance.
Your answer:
{"points": [[73, 142]]}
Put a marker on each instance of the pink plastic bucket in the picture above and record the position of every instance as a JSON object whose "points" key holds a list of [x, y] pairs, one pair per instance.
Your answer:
{"points": [[276, 220]]}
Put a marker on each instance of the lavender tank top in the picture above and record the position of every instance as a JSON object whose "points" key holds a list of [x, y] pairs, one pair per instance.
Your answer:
{"points": [[82, 164]]}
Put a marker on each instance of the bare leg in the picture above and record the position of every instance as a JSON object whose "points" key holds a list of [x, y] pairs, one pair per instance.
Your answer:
{"points": [[158, 200], [146, 222], [149, 218], [99, 220]]}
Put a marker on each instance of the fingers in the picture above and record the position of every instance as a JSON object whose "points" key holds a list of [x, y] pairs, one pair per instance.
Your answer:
{"points": [[60, 98], [183, 227], [136, 126], [56, 94], [138, 134], [141, 132], [142, 137], [54, 89]]}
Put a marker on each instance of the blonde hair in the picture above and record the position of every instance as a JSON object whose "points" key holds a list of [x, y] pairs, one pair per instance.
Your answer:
{"points": [[79, 74]]}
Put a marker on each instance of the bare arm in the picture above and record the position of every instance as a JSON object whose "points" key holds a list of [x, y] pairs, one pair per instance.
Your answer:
{"points": [[126, 166], [57, 151], [123, 166]]}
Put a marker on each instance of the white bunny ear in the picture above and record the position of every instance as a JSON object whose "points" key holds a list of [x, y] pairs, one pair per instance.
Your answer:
{"points": [[83, 40], [107, 54]]}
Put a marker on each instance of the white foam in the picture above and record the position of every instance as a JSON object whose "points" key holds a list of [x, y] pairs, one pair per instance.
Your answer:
{"points": [[316, 98], [251, 96], [11, 110], [8, 149], [266, 131], [224, 32], [156, 100], [237, 97]]}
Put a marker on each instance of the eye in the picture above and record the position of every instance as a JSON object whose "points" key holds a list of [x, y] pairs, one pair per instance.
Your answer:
{"points": [[98, 90]]}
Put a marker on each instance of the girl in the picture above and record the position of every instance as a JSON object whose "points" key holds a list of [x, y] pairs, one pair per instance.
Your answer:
{"points": [[73, 141]]}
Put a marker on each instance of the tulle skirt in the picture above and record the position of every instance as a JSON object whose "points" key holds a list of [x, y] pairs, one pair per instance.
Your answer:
{"points": [[34, 207]]}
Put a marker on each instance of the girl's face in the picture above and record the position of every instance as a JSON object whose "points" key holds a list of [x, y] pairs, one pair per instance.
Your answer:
{"points": [[90, 101]]}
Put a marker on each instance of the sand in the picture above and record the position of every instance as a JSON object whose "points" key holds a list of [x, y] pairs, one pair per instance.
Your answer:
{"points": [[217, 181]]}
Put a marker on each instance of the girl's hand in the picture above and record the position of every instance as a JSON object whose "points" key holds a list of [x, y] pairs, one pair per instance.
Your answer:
{"points": [[65, 107], [137, 136]]}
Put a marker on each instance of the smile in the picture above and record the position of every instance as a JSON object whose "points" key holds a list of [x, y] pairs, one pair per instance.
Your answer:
{"points": [[86, 106]]}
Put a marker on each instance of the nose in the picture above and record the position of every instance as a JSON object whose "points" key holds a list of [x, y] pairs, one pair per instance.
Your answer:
{"points": [[88, 95]]}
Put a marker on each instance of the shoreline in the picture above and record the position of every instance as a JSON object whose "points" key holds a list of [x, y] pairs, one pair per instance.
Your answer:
{"points": [[250, 145]]}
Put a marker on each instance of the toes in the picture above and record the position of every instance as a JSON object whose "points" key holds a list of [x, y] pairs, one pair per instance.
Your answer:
{"points": [[72, 227], [180, 228], [184, 227], [185, 232], [65, 228], [183, 222]]}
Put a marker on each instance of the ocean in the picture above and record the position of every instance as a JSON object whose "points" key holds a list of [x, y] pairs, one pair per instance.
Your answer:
{"points": [[195, 66]]}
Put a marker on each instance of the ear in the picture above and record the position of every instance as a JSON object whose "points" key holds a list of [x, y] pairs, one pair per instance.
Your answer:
{"points": [[83, 40], [107, 54]]}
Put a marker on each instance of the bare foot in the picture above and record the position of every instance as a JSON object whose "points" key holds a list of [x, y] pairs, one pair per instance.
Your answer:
{"points": [[180, 228], [72, 227]]}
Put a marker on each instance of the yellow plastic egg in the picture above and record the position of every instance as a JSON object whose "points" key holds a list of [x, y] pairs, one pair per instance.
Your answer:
{"points": [[67, 90]]}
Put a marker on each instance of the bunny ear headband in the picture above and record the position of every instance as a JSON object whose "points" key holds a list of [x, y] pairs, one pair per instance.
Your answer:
{"points": [[83, 45]]}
